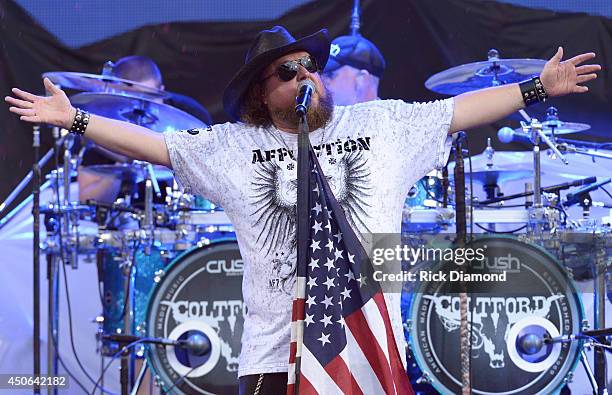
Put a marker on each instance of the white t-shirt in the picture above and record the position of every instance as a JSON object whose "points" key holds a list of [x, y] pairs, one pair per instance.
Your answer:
{"points": [[371, 153]]}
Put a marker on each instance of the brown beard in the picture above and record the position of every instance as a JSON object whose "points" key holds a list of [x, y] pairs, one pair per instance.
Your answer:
{"points": [[317, 117]]}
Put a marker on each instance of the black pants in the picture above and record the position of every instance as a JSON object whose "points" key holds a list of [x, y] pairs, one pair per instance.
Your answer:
{"points": [[264, 384]]}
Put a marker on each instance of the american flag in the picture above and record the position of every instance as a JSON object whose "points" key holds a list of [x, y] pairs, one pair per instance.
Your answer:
{"points": [[341, 335]]}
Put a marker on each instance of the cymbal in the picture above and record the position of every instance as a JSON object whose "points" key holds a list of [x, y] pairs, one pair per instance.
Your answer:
{"points": [[492, 176], [131, 172], [553, 170], [560, 127], [103, 83], [155, 116], [493, 72], [497, 176]]}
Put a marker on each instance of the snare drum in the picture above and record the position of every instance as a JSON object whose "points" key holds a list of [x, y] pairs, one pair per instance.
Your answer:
{"points": [[199, 294], [537, 299]]}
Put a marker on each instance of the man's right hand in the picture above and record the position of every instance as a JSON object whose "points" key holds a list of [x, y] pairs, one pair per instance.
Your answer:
{"points": [[55, 109], [127, 139]]}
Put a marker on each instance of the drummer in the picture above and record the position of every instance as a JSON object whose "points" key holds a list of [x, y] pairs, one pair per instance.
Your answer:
{"points": [[105, 187], [354, 70]]}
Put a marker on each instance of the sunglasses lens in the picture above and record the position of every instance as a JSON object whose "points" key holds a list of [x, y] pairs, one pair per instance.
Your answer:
{"points": [[309, 64], [287, 71]]}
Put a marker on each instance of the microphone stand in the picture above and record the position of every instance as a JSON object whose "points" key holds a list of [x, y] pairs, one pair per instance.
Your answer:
{"points": [[54, 259], [460, 241], [36, 252], [303, 212], [23, 183]]}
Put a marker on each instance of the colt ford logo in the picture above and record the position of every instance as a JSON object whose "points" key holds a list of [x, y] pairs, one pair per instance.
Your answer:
{"points": [[491, 318], [221, 315], [536, 288]]}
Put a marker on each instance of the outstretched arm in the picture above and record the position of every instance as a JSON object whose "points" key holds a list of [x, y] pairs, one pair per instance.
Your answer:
{"points": [[125, 138], [489, 105]]}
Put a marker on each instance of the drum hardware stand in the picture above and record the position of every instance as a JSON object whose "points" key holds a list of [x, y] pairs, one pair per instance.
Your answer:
{"points": [[565, 146], [22, 184], [537, 215], [127, 358], [551, 189], [600, 313], [491, 190], [36, 250], [54, 228], [583, 197], [99, 320], [460, 241]]}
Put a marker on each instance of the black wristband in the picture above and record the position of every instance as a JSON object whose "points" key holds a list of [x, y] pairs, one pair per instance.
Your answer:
{"points": [[80, 122], [533, 91]]}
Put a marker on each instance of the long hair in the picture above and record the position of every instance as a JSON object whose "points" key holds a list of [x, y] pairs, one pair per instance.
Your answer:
{"points": [[253, 111]]}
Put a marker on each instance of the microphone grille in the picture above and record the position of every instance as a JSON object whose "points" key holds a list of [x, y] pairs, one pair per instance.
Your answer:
{"points": [[307, 82], [505, 134]]}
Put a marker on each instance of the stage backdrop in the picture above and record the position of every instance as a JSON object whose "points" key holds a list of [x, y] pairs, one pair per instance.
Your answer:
{"points": [[418, 38]]}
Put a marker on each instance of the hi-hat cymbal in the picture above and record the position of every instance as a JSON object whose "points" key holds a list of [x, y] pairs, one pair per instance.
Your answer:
{"points": [[493, 72], [131, 172], [103, 83], [155, 116]]}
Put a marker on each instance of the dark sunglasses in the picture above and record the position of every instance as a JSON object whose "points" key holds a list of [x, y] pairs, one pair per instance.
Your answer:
{"points": [[288, 70]]}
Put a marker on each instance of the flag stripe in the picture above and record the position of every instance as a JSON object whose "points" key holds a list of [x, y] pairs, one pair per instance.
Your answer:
{"points": [[306, 388], [360, 367], [369, 344], [397, 367], [316, 375], [342, 376], [376, 323]]}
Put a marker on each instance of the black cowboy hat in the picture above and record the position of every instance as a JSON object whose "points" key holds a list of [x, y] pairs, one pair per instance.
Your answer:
{"points": [[268, 46]]}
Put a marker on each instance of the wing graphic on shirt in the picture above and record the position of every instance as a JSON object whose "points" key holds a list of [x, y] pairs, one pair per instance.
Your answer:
{"points": [[275, 197]]}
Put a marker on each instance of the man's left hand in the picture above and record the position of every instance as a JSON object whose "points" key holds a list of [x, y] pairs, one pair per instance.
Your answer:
{"points": [[561, 78]]}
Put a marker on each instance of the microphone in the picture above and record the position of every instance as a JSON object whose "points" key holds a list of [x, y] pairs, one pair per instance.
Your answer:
{"points": [[305, 90], [196, 343], [507, 135], [573, 198]]}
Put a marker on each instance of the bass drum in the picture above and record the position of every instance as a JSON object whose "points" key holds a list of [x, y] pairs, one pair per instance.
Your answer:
{"points": [[506, 319], [199, 299]]}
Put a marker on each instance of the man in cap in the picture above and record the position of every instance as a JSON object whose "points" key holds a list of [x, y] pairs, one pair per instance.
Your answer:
{"points": [[369, 153], [144, 70], [354, 70]]}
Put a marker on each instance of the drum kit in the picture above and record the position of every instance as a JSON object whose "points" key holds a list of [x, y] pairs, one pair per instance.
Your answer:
{"points": [[161, 255], [541, 217], [159, 264]]}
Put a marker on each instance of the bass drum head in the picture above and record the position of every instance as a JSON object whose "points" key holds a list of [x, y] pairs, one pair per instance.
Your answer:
{"points": [[507, 318], [200, 294]]}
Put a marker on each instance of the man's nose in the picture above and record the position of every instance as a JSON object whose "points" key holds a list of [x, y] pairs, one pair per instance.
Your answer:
{"points": [[303, 74]]}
